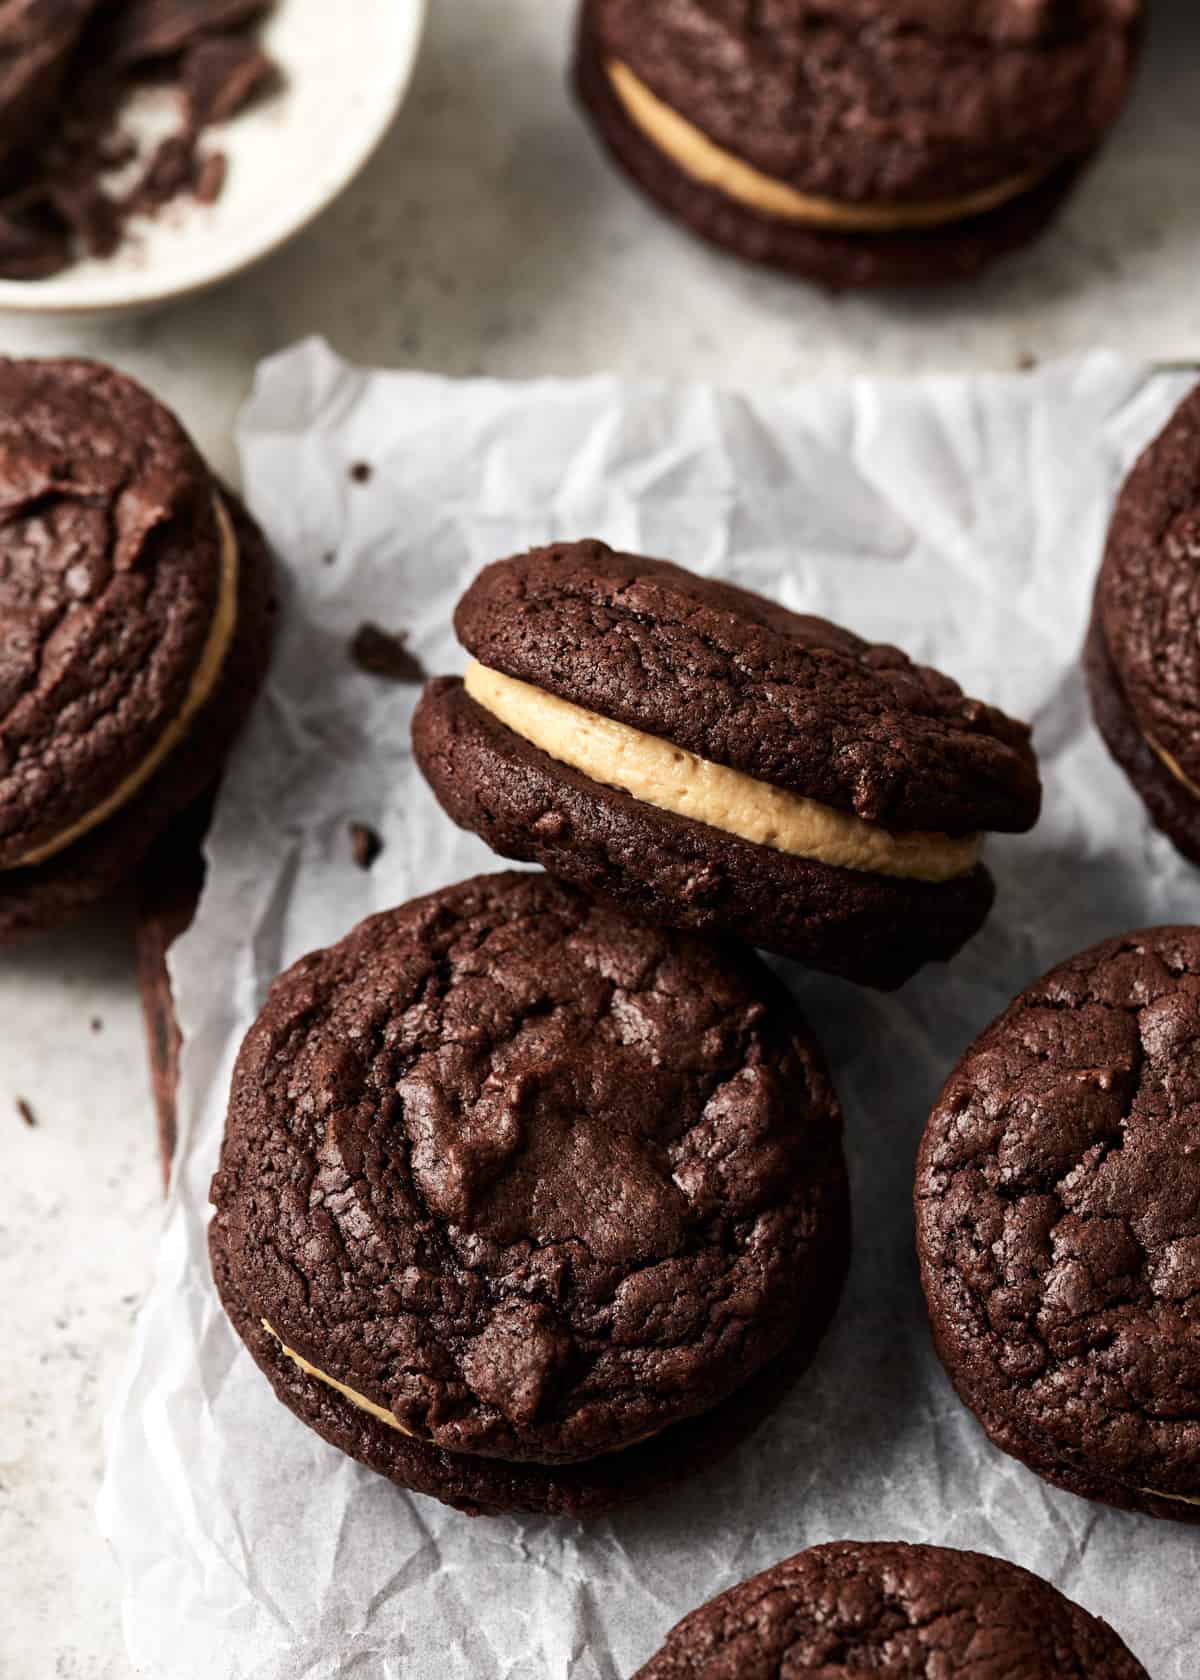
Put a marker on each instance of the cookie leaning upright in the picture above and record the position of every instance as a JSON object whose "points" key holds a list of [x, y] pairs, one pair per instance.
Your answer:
{"points": [[858, 142], [1142, 656], [897, 1611], [1058, 1225], [135, 617], [715, 761], [525, 1204]]}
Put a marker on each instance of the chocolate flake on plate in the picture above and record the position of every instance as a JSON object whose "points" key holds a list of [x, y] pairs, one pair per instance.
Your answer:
{"points": [[67, 73]]}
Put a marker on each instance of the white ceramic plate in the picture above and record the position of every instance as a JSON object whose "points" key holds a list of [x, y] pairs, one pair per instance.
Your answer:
{"points": [[347, 68]]}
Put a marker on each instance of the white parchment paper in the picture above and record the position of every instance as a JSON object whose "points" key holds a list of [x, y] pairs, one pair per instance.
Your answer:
{"points": [[961, 518]]}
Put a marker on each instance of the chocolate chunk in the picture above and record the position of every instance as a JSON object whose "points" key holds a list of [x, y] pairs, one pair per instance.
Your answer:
{"points": [[221, 76]]}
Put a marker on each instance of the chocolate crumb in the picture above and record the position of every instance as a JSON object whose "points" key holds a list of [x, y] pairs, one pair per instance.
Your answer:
{"points": [[26, 1112], [361, 472], [365, 844], [1027, 361], [97, 1024], [384, 653], [210, 177], [221, 76]]}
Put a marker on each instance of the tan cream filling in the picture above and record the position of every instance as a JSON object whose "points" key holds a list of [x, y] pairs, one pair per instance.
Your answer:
{"points": [[351, 1394], [709, 164], [212, 658], [671, 779], [1175, 768], [1175, 1498]]}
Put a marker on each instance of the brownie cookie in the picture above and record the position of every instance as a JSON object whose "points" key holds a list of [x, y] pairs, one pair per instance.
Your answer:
{"points": [[896, 1611], [135, 621], [717, 762], [1058, 1223], [1141, 657], [526, 1204], [861, 143]]}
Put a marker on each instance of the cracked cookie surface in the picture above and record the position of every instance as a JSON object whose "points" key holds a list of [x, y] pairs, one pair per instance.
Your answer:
{"points": [[43, 896], [536, 1179], [109, 576], [896, 1611], [1058, 1216]]}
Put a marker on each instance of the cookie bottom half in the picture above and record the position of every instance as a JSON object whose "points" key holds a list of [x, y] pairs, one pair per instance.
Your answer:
{"points": [[1084, 1481], [491, 1486]]}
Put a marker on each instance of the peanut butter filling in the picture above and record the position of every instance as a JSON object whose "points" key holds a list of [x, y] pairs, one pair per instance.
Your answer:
{"points": [[698, 156], [1173, 766], [672, 779], [212, 658], [1175, 1498], [351, 1394]]}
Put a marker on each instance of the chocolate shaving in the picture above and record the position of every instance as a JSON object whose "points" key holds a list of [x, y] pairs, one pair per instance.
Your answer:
{"points": [[26, 1112], [222, 75]]}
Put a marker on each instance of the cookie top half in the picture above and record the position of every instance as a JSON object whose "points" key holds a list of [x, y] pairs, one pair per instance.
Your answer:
{"points": [[1058, 1212], [740, 681], [526, 1178], [1148, 595], [895, 1611], [891, 102], [118, 593]]}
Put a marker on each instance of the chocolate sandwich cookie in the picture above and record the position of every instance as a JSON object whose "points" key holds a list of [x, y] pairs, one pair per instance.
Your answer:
{"points": [[1058, 1223], [716, 762], [135, 624], [895, 1611], [525, 1204], [858, 142], [1142, 658]]}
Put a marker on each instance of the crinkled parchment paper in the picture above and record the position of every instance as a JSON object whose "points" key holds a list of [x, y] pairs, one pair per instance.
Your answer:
{"points": [[961, 518]]}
